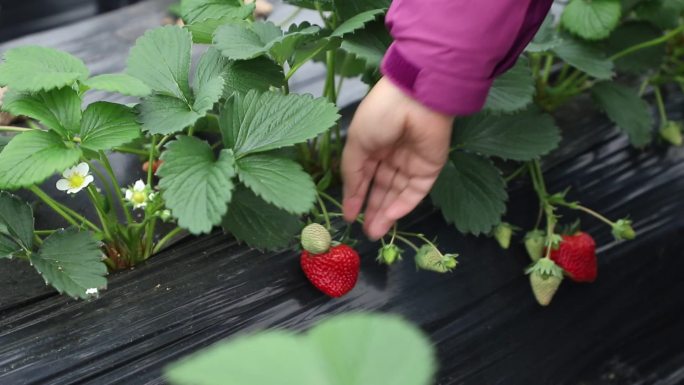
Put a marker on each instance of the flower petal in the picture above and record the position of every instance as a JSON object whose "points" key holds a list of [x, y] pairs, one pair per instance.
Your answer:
{"points": [[83, 169], [88, 180], [129, 194], [69, 172], [74, 190], [63, 185], [139, 185]]}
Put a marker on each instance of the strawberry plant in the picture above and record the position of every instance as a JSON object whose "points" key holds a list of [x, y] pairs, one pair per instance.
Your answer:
{"points": [[224, 143]]}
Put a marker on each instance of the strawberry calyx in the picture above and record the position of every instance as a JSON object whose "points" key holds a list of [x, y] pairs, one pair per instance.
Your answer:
{"points": [[389, 254], [428, 257]]}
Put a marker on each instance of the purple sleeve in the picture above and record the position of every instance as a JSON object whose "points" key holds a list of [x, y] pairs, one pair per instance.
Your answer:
{"points": [[446, 53]]}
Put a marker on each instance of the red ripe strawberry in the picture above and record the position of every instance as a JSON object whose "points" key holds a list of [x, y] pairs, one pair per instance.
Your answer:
{"points": [[577, 256], [334, 272], [155, 166]]}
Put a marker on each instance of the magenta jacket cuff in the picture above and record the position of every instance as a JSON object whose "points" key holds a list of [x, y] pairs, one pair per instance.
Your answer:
{"points": [[447, 54]]}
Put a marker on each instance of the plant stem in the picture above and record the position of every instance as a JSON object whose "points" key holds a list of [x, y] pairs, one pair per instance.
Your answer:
{"points": [[59, 210], [331, 199], [149, 239], [324, 210], [44, 232], [128, 150], [516, 173], [647, 44], [162, 142], [408, 242], [105, 184], [150, 161], [117, 187], [98, 210], [38, 240], [14, 129], [661, 105], [33, 124], [166, 239], [299, 65], [590, 212]]}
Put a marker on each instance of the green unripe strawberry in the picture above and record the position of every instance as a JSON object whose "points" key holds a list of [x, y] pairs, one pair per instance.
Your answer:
{"points": [[545, 278], [316, 239], [534, 244], [672, 133], [389, 254], [430, 258], [544, 288], [622, 230], [503, 234]]}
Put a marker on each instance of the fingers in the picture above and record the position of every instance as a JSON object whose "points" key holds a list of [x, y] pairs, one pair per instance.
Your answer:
{"points": [[382, 183], [357, 172], [381, 223], [406, 201]]}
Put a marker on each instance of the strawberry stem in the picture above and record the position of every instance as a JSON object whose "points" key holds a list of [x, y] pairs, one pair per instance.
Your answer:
{"points": [[324, 210]]}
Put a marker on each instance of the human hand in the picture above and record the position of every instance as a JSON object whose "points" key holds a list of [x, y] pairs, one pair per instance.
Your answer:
{"points": [[397, 148]]}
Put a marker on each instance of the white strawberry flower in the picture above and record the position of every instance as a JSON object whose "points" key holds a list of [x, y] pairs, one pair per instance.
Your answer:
{"points": [[75, 179], [139, 195]]}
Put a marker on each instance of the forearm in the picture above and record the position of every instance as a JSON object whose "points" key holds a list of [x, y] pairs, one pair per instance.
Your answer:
{"points": [[447, 54]]}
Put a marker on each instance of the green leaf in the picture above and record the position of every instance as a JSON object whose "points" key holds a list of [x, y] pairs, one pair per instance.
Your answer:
{"points": [[471, 193], [33, 156], [592, 19], [282, 49], [362, 349], [161, 59], [16, 221], [259, 74], [267, 121], [4, 140], [627, 109], [513, 90], [664, 14], [203, 31], [165, 115], [523, 136], [242, 362], [57, 109], [107, 125], [357, 22], [208, 84], [200, 10], [259, 224], [120, 83], [279, 181], [32, 68], [323, 5], [352, 349], [71, 261], [369, 44], [629, 35], [196, 186], [8, 247], [242, 41], [547, 38], [347, 9], [586, 58]]}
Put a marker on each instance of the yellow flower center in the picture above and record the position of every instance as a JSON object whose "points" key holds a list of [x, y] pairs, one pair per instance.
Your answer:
{"points": [[76, 181], [139, 197]]}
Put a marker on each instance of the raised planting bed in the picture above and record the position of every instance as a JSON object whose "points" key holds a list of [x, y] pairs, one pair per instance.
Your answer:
{"points": [[482, 318]]}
